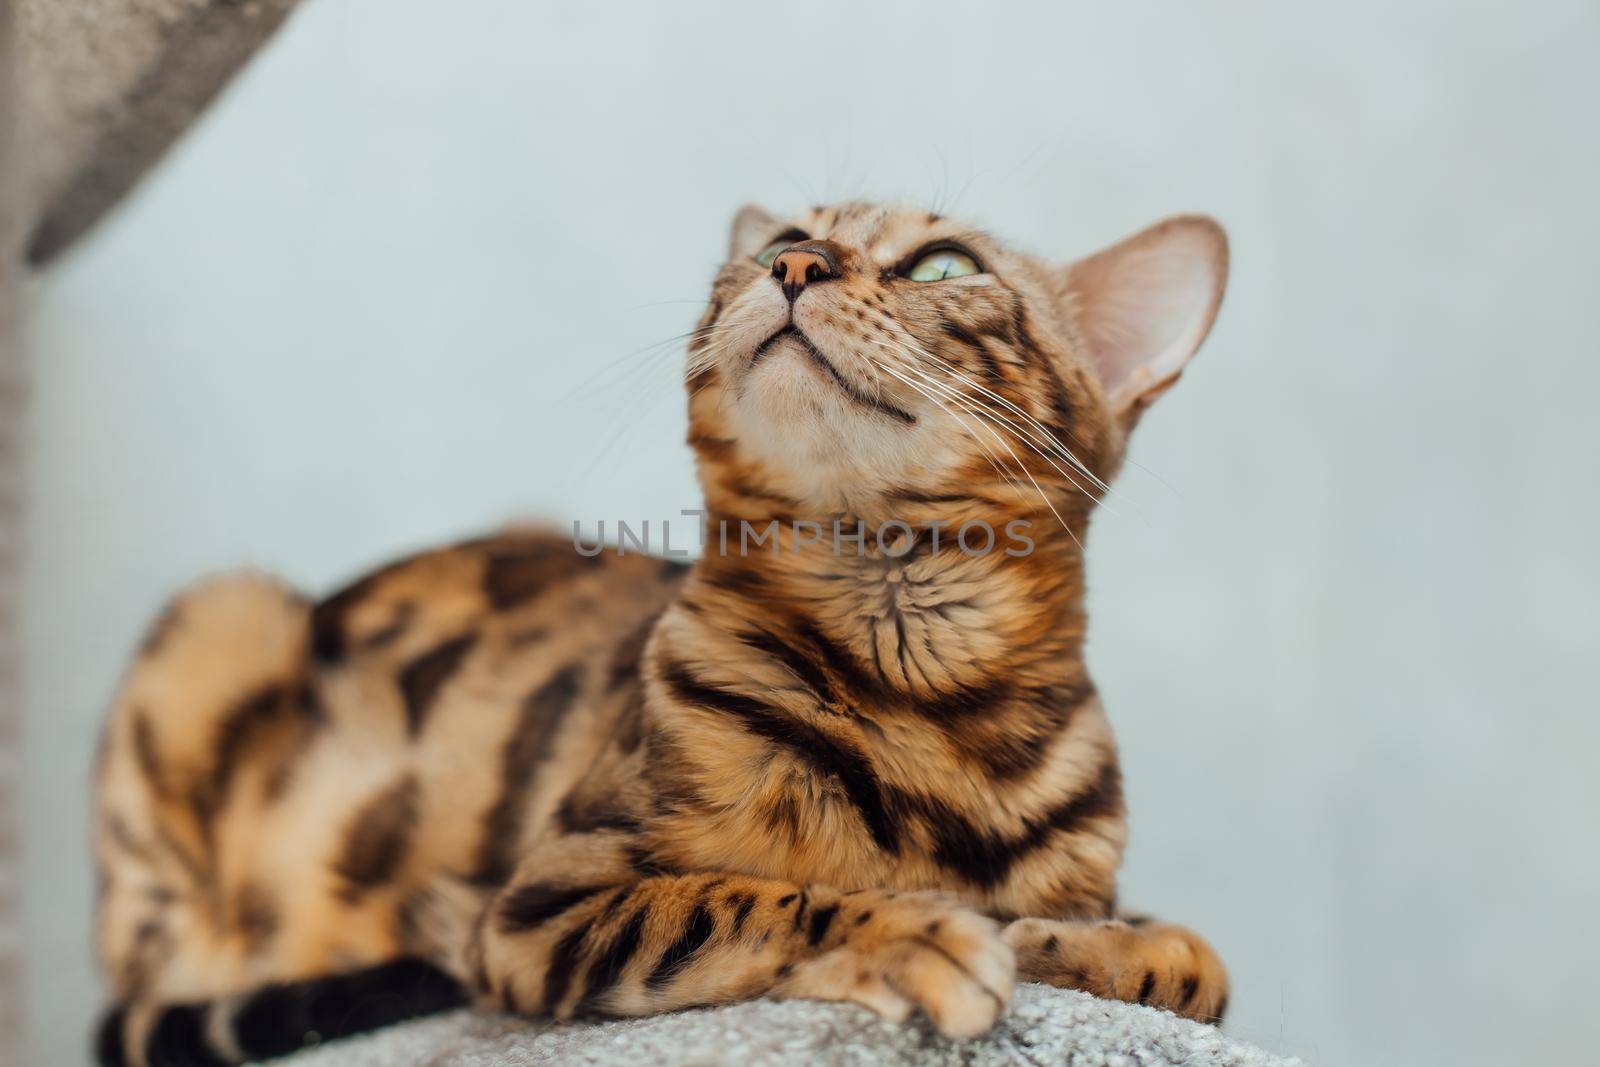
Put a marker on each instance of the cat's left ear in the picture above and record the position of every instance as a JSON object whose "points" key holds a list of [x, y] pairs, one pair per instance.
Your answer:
{"points": [[752, 228], [1144, 305]]}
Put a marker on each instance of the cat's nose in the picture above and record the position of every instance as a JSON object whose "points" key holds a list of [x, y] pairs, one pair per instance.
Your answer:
{"points": [[800, 265]]}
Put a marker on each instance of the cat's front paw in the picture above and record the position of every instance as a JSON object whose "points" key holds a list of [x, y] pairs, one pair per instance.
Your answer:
{"points": [[1141, 961], [896, 952]]}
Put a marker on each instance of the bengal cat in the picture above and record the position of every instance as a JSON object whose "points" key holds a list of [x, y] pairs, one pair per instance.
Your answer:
{"points": [[866, 768]]}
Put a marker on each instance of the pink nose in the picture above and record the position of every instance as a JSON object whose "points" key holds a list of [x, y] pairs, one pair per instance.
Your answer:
{"points": [[799, 265]]}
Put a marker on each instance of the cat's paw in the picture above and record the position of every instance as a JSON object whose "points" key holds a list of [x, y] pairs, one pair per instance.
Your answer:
{"points": [[1141, 961], [895, 952]]}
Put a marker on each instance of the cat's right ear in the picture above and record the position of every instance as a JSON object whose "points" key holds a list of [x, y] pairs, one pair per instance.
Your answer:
{"points": [[753, 227]]}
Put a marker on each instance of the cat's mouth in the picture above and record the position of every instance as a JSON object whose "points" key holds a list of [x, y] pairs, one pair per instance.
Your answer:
{"points": [[825, 365]]}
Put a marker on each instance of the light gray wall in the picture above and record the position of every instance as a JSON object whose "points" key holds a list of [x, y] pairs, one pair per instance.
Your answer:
{"points": [[1344, 621]]}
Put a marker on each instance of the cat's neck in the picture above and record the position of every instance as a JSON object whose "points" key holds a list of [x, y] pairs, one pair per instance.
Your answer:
{"points": [[938, 599]]}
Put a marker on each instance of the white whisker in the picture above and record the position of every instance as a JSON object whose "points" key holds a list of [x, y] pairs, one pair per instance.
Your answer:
{"points": [[981, 411], [1043, 496], [1050, 439]]}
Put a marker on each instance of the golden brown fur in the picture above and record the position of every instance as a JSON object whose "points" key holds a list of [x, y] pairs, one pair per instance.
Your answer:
{"points": [[612, 784]]}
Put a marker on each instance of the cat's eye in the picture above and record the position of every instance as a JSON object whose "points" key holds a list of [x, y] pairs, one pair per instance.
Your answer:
{"points": [[769, 255], [943, 263]]}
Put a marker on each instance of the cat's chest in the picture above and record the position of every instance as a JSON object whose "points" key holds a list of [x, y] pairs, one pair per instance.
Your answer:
{"points": [[801, 792], [804, 831]]}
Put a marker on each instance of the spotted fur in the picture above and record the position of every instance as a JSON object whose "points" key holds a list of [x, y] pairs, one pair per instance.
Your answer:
{"points": [[568, 784]]}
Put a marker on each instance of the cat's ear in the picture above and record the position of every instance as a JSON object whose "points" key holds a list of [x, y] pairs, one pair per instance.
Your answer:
{"points": [[1144, 305], [752, 228]]}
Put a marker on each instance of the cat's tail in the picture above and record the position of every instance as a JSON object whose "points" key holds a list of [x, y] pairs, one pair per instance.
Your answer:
{"points": [[276, 1019]]}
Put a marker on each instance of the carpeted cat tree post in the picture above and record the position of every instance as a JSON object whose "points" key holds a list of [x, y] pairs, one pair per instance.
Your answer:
{"points": [[11, 229], [102, 88]]}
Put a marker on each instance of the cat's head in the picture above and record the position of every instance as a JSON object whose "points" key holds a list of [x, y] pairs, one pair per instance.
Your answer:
{"points": [[856, 355]]}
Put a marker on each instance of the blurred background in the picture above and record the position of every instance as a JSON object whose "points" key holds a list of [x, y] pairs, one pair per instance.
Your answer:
{"points": [[388, 292]]}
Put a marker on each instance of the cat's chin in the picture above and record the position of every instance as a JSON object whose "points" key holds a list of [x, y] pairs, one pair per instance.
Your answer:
{"points": [[791, 377], [787, 404], [816, 444]]}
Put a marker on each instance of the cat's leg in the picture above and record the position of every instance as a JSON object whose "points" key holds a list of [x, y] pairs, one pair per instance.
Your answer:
{"points": [[562, 940], [212, 708], [1132, 958], [208, 717]]}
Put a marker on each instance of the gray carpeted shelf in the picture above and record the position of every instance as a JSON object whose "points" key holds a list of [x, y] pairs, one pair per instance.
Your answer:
{"points": [[1043, 1026]]}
